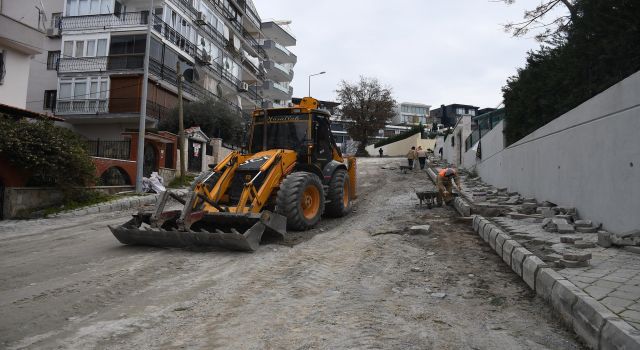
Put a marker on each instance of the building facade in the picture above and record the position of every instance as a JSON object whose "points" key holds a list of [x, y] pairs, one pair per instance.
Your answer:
{"points": [[410, 113], [220, 44], [450, 114], [21, 40]]}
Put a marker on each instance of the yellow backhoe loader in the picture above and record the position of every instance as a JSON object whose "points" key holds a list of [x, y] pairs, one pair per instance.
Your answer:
{"points": [[292, 174]]}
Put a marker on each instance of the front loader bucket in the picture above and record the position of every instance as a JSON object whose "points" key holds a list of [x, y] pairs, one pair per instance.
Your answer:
{"points": [[227, 230]]}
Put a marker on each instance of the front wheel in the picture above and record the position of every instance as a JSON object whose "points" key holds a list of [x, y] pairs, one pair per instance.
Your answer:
{"points": [[339, 195], [301, 200]]}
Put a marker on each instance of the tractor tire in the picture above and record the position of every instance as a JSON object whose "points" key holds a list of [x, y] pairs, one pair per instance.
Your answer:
{"points": [[301, 200], [339, 195]]}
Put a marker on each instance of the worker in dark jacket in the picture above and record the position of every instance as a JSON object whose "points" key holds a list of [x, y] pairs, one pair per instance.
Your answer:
{"points": [[447, 177]]}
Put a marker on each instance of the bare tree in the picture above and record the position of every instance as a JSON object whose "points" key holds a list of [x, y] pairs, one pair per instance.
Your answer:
{"points": [[537, 19], [368, 105]]}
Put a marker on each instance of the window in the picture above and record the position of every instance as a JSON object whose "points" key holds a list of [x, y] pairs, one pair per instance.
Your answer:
{"points": [[49, 99], [67, 49], [94, 47], [87, 7], [52, 60], [83, 88], [79, 49], [460, 111], [129, 44]]}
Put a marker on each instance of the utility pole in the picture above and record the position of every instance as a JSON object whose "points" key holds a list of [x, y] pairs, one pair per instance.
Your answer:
{"points": [[183, 151], [143, 105]]}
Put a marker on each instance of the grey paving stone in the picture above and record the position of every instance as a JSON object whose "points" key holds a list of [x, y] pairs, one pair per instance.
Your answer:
{"points": [[588, 318], [420, 229], [572, 264], [617, 334], [530, 267], [631, 288], [616, 305], [598, 292], [577, 256], [583, 279], [565, 228], [631, 315], [625, 295], [563, 295], [603, 283], [517, 257]]}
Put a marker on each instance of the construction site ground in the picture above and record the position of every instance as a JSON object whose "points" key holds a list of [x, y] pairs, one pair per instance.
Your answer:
{"points": [[357, 282]]}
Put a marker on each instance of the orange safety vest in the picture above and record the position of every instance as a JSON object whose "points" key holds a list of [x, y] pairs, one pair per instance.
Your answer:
{"points": [[443, 173]]}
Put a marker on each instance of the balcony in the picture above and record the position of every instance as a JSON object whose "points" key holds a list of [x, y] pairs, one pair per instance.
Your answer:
{"points": [[277, 71], [105, 21], [276, 91], [174, 37], [125, 62], [82, 106], [82, 64], [279, 52], [276, 32]]}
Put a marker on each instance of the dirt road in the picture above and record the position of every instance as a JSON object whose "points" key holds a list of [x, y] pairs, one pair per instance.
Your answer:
{"points": [[70, 284]]}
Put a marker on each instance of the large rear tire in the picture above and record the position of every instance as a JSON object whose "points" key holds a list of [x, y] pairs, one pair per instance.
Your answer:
{"points": [[301, 200], [339, 195]]}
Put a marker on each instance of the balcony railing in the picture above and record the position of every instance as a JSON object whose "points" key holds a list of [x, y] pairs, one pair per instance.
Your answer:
{"points": [[174, 37], [82, 106], [125, 62], [281, 87], [82, 64], [104, 21], [282, 48]]}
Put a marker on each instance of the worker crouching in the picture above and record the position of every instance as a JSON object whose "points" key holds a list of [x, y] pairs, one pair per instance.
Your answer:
{"points": [[446, 179]]}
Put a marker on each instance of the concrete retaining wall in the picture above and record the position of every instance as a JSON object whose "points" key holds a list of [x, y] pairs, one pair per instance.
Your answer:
{"points": [[402, 147], [19, 199], [588, 158]]}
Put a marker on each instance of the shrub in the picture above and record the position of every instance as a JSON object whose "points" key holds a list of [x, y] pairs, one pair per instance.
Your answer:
{"points": [[53, 156]]}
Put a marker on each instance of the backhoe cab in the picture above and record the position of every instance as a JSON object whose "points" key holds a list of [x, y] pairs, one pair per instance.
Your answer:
{"points": [[292, 175]]}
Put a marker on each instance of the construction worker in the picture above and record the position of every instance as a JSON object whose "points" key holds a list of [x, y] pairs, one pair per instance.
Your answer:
{"points": [[445, 178]]}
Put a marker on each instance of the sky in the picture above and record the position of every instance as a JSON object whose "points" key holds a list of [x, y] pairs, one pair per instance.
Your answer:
{"points": [[428, 51]]}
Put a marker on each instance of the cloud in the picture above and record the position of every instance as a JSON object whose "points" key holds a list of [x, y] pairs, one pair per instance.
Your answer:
{"points": [[430, 51]]}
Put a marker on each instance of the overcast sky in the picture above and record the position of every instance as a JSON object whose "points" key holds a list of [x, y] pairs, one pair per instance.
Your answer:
{"points": [[429, 51]]}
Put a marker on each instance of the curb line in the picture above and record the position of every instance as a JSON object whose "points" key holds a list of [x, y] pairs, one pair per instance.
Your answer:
{"points": [[596, 325]]}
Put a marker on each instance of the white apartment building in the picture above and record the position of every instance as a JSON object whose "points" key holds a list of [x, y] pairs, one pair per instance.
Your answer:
{"points": [[21, 42], [102, 46], [410, 113]]}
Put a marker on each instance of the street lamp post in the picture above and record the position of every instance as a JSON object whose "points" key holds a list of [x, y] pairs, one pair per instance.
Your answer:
{"points": [[311, 75]]}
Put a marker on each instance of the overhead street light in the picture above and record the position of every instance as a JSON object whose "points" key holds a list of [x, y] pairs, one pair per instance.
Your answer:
{"points": [[311, 75]]}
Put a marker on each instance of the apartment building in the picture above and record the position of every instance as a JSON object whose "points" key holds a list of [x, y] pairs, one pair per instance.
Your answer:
{"points": [[410, 113], [225, 53], [450, 114], [21, 43]]}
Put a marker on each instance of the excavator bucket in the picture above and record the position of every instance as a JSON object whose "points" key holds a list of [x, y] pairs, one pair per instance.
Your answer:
{"points": [[241, 231]]}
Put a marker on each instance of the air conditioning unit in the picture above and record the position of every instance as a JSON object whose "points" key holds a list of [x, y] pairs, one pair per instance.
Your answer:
{"points": [[201, 19], [53, 32], [243, 86]]}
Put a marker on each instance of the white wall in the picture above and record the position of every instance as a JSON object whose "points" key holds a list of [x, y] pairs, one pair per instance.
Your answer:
{"points": [[588, 158], [13, 91], [402, 147]]}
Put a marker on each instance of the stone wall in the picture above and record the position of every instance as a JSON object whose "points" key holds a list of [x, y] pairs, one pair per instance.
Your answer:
{"points": [[588, 158], [20, 199]]}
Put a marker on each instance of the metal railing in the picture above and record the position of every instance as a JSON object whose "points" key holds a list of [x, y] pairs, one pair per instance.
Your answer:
{"points": [[82, 106], [115, 149], [173, 36], [104, 21], [126, 61], [82, 64]]}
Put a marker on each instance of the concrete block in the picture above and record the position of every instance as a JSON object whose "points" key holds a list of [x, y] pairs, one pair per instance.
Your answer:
{"points": [[586, 229], [545, 279], [583, 223], [582, 244], [485, 231], [507, 248], [572, 264], [500, 239], [617, 334], [576, 256], [530, 267], [493, 233], [588, 317], [568, 239], [563, 295], [517, 258], [476, 221], [604, 239], [420, 229], [547, 212], [565, 228]]}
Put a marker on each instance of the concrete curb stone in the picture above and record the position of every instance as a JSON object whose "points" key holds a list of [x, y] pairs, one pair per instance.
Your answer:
{"points": [[596, 325], [507, 248], [517, 258], [530, 267]]}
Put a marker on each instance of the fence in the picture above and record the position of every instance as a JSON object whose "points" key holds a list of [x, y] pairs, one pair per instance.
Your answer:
{"points": [[116, 149]]}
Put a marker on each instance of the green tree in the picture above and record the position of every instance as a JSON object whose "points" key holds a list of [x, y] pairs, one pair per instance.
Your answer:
{"points": [[368, 105], [600, 47], [51, 155], [214, 117]]}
